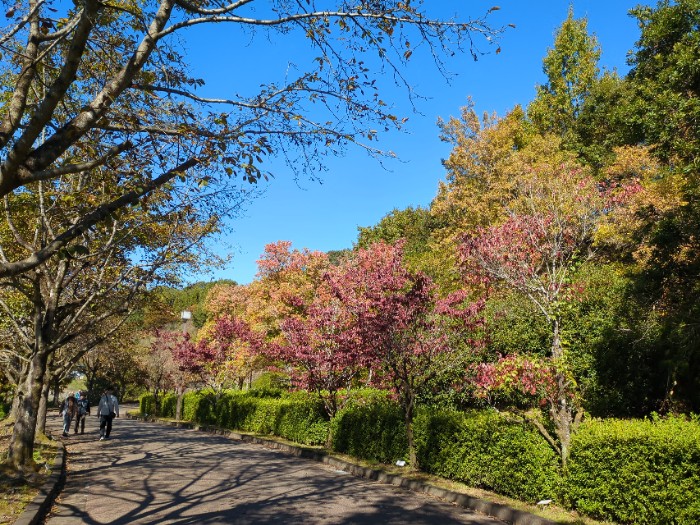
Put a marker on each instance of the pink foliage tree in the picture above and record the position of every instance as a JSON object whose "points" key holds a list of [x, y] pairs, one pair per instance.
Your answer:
{"points": [[536, 252], [163, 372], [373, 316], [224, 354]]}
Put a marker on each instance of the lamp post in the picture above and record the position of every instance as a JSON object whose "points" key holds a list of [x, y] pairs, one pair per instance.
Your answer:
{"points": [[186, 316]]}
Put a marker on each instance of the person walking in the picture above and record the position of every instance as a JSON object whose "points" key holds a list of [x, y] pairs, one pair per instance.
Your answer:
{"points": [[83, 411], [69, 411], [107, 410]]}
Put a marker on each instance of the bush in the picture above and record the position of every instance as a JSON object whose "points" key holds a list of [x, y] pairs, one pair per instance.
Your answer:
{"points": [[486, 449], [642, 471], [271, 381], [147, 405], [300, 418], [370, 428]]}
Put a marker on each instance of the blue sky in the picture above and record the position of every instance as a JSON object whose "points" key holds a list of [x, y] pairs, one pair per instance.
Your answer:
{"points": [[357, 190]]}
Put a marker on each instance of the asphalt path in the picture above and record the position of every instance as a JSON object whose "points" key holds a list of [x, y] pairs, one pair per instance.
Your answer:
{"points": [[153, 473]]}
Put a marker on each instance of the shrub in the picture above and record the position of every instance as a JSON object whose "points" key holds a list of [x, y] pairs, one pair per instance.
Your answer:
{"points": [[300, 418], [168, 405], [271, 381], [489, 450], [147, 405], [641, 471], [370, 429]]}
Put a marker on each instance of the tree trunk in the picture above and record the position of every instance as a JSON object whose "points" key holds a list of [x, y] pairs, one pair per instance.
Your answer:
{"points": [[409, 403], [178, 405], [562, 416], [21, 451], [56, 391], [562, 411], [43, 406], [557, 350]]}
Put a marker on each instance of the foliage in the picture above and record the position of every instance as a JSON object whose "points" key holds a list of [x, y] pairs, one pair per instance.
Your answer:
{"points": [[270, 381], [666, 79], [371, 429], [299, 418], [571, 69], [412, 225], [487, 449], [107, 89], [225, 354], [643, 471], [479, 181]]}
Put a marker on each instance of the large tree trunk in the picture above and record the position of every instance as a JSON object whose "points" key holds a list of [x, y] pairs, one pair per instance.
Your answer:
{"points": [[43, 406], [21, 452]]}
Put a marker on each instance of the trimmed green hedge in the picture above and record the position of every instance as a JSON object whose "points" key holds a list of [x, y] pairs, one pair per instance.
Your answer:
{"points": [[636, 471], [297, 418], [486, 449], [372, 430]]}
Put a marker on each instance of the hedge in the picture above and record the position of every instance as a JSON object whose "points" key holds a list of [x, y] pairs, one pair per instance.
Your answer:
{"points": [[372, 430], [297, 418], [639, 471], [488, 450]]}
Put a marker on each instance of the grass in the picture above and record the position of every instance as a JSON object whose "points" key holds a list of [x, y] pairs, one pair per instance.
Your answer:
{"points": [[18, 490]]}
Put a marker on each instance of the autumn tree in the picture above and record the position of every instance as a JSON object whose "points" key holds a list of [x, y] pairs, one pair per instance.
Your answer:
{"points": [[85, 293], [535, 252], [398, 324], [226, 353], [284, 286], [160, 364], [104, 88]]}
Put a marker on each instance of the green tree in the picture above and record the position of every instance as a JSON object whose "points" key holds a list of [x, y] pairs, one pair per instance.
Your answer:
{"points": [[571, 67], [666, 78], [413, 225]]}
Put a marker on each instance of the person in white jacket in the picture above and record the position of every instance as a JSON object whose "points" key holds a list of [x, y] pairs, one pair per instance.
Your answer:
{"points": [[107, 410]]}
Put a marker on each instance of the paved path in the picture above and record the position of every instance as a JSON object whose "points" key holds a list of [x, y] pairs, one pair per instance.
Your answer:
{"points": [[151, 473]]}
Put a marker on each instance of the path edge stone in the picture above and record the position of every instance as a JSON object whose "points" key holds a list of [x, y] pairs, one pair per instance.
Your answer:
{"points": [[489, 508], [39, 507]]}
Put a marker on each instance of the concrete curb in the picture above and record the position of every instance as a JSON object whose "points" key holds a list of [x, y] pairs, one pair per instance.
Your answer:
{"points": [[495, 510], [36, 511]]}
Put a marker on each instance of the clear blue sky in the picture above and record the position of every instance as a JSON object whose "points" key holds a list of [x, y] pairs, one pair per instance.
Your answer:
{"points": [[357, 191]]}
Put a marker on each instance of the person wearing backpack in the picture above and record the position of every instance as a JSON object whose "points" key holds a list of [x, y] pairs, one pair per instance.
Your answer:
{"points": [[107, 410], [83, 411]]}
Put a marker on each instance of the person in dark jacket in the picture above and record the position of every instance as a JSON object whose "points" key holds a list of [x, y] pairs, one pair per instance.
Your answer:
{"points": [[83, 411], [69, 411]]}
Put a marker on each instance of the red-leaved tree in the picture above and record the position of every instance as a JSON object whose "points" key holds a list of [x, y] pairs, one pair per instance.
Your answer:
{"points": [[535, 252], [225, 353], [376, 317]]}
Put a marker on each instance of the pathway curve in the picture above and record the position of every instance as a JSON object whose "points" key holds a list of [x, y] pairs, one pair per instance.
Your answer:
{"points": [[152, 473]]}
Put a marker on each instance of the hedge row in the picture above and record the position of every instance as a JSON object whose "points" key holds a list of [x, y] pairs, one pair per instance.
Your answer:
{"points": [[627, 471], [297, 418], [636, 471], [488, 450]]}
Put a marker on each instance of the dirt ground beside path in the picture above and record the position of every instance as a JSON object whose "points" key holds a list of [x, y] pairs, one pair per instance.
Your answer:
{"points": [[152, 473]]}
